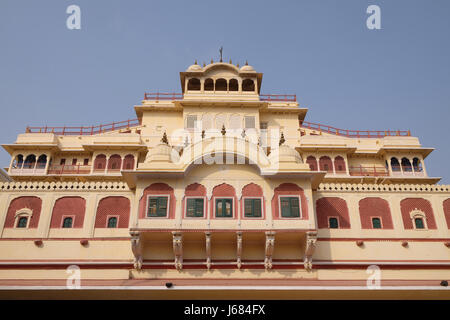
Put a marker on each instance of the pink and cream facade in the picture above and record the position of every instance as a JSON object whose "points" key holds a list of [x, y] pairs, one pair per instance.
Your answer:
{"points": [[223, 192]]}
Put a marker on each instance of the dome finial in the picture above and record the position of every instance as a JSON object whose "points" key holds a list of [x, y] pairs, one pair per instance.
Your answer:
{"points": [[195, 61], [246, 62], [220, 50], [237, 64], [204, 64], [282, 140], [231, 62], [212, 61]]}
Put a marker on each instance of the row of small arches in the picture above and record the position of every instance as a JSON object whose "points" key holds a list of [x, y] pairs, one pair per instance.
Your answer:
{"points": [[221, 84]]}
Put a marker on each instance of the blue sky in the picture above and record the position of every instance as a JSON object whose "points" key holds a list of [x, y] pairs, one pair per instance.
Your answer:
{"points": [[348, 76]]}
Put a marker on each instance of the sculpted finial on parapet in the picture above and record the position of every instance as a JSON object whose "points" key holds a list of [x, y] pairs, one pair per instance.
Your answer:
{"points": [[164, 139], [282, 140]]}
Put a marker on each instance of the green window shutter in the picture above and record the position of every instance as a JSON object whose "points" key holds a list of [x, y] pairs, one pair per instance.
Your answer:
{"points": [[162, 206], [112, 222], [67, 223], [22, 223], [376, 223], [252, 208], [190, 207], [285, 207], [199, 207], [334, 223], [295, 208], [228, 205], [224, 208], [419, 223], [257, 207], [219, 206], [248, 208], [152, 207], [157, 207]]}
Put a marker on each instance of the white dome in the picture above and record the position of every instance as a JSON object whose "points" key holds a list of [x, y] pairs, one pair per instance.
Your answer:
{"points": [[161, 152], [285, 154], [194, 67], [247, 68]]}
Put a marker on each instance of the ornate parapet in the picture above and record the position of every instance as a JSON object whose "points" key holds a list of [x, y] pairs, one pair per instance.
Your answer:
{"points": [[358, 187], [311, 238], [63, 186]]}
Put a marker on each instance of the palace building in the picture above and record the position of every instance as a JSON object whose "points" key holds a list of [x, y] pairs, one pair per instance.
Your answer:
{"points": [[221, 192]]}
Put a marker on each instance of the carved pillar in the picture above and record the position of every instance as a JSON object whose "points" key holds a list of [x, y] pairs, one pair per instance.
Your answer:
{"points": [[178, 249], [311, 238], [239, 249], [136, 248], [270, 244], [208, 249]]}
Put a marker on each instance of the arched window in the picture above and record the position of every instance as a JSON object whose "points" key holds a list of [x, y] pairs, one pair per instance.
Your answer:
{"points": [[18, 161], [233, 85], [194, 84], [114, 163], [395, 165], [326, 164], [339, 164], [128, 162], [221, 85], [417, 164], [41, 162], [100, 162], [376, 223], [418, 223], [406, 165], [209, 84], [22, 222], [312, 163], [333, 223], [112, 222], [67, 222], [30, 161], [248, 85]]}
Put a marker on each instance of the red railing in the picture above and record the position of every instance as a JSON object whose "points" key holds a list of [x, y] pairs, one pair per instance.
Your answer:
{"points": [[83, 131], [163, 96], [372, 171], [179, 96], [354, 133], [278, 97], [69, 169]]}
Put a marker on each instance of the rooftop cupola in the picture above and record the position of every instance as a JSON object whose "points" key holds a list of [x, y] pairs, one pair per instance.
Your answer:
{"points": [[220, 79]]}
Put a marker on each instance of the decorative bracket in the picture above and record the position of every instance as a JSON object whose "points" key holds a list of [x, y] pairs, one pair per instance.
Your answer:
{"points": [[239, 249], [208, 249], [270, 245], [311, 238], [178, 249], [136, 248]]}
